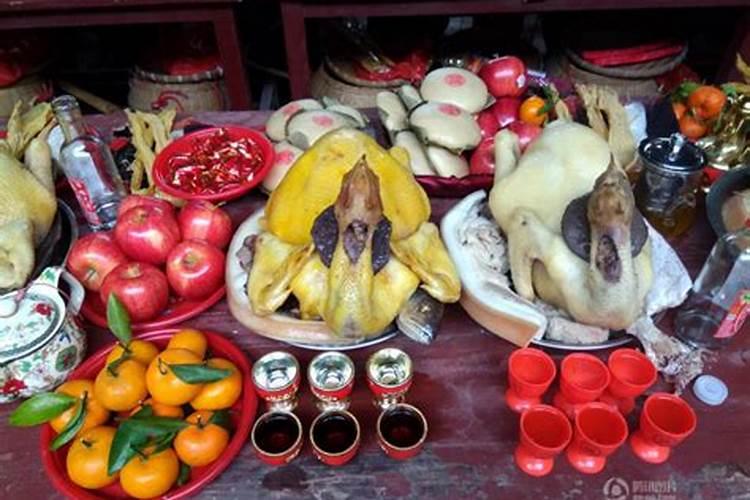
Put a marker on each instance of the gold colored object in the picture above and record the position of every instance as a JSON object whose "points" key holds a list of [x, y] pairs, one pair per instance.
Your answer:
{"points": [[349, 174]]}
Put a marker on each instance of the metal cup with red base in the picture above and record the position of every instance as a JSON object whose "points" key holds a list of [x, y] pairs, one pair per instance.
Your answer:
{"points": [[599, 430], [530, 373], [632, 373], [389, 376], [666, 421], [401, 431], [277, 437], [335, 437], [331, 378], [276, 377], [545, 431], [583, 379]]}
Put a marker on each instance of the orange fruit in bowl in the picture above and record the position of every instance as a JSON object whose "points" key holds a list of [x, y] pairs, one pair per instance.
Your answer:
{"points": [[88, 457], [202, 442], [222, 393], [142, 351], [190, 339], [165, 387], [96, 414], [150, 475], [121, 388], [159, 409]]}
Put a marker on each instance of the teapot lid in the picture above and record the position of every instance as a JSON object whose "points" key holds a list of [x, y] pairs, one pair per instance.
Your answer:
{"points": [[673, 153], [29, 318]]}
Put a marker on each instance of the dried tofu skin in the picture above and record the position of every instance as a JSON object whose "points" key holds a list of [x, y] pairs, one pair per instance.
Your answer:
{"points": [[310, 287], [314, 182], [425, 254], [275, 264]]}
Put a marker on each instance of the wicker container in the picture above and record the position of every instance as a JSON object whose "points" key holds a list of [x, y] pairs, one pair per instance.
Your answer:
{"points": [[324, 84], [26, 90], [200, 92]]}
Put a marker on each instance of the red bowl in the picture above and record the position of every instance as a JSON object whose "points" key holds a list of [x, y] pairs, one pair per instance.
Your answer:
{"points": [[178, 311], [185, 144], [242, 414]]}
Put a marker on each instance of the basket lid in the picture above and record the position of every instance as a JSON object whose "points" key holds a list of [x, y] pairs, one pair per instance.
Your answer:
{"points": [[208, 75]]}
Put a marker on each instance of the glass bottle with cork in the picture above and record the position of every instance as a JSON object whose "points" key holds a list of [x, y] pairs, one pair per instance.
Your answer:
{"points": [[719, 302], [88, 166]]}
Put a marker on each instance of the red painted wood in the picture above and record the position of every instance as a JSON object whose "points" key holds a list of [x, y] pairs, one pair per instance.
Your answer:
{"points": [[459, 383], [220, 13], [295, 41], [57, 5]]}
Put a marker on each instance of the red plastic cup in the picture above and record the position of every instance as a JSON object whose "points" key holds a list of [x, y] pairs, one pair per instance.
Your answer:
{"points": [[530, 373], [545, 431], [277, 437], [583, 378], [632, 373], [402, 431], [666, 421], [599, 431], [335, 437]]}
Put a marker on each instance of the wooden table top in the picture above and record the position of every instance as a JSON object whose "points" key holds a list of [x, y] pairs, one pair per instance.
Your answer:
{"points": [[459, 384]]}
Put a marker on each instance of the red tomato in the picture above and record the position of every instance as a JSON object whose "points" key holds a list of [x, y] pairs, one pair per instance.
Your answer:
{"points": [[202, 220], [195, 269], [483, 158], [526, 132], [93, 257], [147, 234], [487, 124], [504, 76], [138, 200], [142, 289], [505, 110]]}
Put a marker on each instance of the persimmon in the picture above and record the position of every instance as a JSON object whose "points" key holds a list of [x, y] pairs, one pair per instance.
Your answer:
{"points": [[201, 442], [150, 474], [165, 387], [706, 102], [679, 109], [96, 414], [121, 387], [531, 111], [692, 127], [88, 457], [222, 393]]}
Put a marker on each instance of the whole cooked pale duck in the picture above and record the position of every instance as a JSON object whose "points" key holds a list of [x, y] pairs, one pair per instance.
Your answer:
{"points": [[347, 235]]}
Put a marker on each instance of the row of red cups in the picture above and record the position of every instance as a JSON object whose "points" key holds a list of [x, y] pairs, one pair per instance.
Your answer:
{"points": [[335, 435], [594, 396]]}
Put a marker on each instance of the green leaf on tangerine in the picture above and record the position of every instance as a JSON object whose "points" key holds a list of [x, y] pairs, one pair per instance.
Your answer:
{"points": [[199, 373], [41, 408]]}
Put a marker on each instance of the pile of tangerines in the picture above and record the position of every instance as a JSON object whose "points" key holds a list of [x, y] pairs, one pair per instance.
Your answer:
{"points": [[129, 423]]}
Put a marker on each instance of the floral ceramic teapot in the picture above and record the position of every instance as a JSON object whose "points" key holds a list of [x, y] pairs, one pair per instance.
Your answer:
{"points": [[41, 340]]}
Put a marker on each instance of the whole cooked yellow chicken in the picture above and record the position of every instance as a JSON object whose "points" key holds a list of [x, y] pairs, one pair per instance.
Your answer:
{"points": [[347, 233], [27, 194]]}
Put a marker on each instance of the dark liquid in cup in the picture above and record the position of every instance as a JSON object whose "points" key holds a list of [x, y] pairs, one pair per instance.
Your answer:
{"points": [[276, 434], [402, 427], [334, 433]]}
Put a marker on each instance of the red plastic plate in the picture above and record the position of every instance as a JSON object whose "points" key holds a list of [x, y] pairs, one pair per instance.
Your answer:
{"points": [[243, 416], [177, 311], [454, 187], [185, 144]]}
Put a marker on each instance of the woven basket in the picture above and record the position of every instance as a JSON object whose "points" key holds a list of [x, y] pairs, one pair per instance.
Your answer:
{"points": [[193, 93], [343, 70], [648, 69], [324, 84], [628, 88], [24, 90]]}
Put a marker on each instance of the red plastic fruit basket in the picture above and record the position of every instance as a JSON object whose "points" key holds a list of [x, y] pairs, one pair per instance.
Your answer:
{"points": [[178, 311], [186, 143], [242, 415]]}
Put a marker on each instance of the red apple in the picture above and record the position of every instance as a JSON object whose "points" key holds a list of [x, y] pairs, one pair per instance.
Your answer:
{"points": [[504, 76], [202, 220], [93, 257], [195, 269], [483, 158], [505, 110], [147, 234], [488, 124], [526, 132], [142, 289], [138, 200]]}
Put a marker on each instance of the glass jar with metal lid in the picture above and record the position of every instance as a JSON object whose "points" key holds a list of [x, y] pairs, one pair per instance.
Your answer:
{"points": [[667, 188]]}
